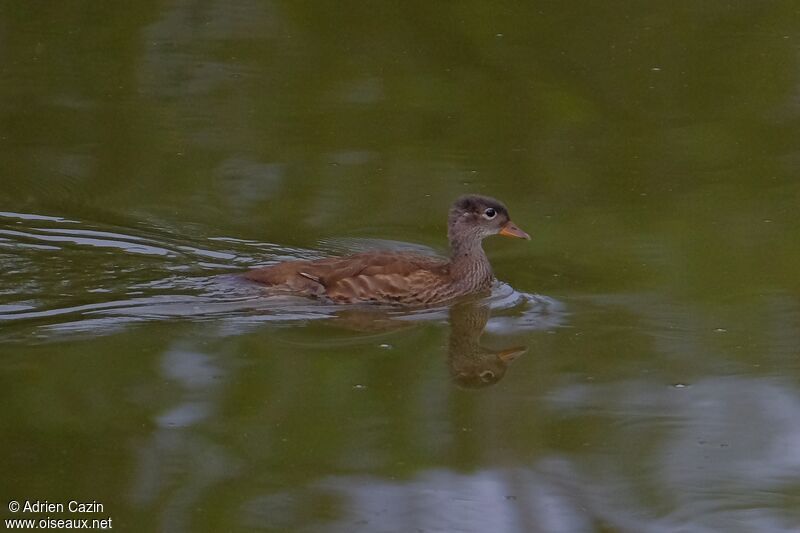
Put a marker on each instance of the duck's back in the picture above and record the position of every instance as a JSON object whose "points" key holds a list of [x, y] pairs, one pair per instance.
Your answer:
{"points": [[399, 277]]}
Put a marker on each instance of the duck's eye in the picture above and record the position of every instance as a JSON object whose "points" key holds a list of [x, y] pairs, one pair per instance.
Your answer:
{"points": [[490, 213]]}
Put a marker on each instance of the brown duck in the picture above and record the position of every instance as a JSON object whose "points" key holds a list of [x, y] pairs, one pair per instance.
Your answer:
{"points": [[403, 277]]}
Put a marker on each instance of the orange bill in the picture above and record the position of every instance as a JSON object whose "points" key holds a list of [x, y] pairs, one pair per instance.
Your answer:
{"points": [[509, 354], [511, 230]]}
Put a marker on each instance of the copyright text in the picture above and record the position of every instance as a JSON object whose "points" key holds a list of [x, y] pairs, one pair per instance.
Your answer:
{"points": [[44, 510]]}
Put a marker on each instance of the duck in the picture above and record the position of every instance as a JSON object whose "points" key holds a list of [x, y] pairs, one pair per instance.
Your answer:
{"points": [[402, 278]]}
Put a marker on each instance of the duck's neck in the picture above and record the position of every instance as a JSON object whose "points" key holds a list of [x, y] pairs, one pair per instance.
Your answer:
{"points": [[469, 266]]}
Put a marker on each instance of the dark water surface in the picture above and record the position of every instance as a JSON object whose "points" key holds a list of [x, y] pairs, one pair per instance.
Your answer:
{"points": [[637, 369]]}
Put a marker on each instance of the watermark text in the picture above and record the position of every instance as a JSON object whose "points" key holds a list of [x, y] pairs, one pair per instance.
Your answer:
{"points": [[39, 515]]}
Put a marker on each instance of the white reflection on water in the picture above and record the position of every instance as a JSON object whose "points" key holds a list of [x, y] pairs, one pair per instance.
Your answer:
{"points": [[176, 450], [722, 449], [31, 216], [89, 238], [731, 447], [434, 500]]}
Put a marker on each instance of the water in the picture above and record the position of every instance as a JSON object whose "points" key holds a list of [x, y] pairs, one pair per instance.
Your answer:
{"points": [[634, 369]]}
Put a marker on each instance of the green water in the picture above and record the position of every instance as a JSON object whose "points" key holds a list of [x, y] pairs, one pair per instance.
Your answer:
{"points": [[150, 151]]}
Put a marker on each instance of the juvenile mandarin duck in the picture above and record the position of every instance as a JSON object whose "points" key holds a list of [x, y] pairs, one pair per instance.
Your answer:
{"points": [[403, 277]]}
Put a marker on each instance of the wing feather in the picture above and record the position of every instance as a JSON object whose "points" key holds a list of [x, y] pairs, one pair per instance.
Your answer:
{"points": [[378, 276]]}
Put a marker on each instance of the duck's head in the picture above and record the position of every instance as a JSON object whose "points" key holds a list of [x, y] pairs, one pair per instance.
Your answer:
{"points": [[474, 217]]}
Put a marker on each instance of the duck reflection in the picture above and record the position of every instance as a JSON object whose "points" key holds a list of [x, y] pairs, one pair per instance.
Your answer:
{"points": [[471, 364]]}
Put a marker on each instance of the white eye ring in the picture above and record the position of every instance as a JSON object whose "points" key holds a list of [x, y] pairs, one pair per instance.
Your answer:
{"points": [[490, 213]]}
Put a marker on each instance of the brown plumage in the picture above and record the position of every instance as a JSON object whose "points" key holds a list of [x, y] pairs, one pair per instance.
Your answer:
{"points": [[403, 277]]}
